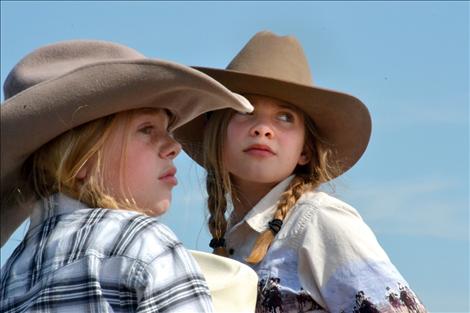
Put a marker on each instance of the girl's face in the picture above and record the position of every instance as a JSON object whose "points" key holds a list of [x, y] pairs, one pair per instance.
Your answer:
{"points": [[145, 171], [266, 145]]}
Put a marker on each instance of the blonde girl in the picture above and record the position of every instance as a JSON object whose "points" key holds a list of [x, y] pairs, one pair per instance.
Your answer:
{"points": [[87, 151], [312, 252]]}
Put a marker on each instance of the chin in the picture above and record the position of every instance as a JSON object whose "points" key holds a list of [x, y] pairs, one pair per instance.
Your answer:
{"points": [[268, 179], [161, 207]]}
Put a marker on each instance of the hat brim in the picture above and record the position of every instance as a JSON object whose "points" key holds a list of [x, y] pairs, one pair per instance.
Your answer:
{"points": [[236, 291], [342, 120], [42, 112]]}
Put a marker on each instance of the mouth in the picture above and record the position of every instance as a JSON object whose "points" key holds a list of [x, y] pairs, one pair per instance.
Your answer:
{"points": [[259, 150], [169, 177]]}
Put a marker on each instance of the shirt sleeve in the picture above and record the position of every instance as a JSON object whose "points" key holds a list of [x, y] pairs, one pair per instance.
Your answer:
{"points": [[173, 282], [345, 268]]}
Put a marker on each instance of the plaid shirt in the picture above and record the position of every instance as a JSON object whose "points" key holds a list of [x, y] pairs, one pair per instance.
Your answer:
{"points": [[77, 259]]}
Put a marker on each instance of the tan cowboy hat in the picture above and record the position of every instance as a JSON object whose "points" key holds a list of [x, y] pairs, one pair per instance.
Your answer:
{"points": [[233, 285], [276, 66], [63, 85]]}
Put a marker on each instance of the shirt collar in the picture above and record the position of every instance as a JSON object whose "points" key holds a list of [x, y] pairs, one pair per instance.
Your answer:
{"points": [[262, 213], [56, 204]]}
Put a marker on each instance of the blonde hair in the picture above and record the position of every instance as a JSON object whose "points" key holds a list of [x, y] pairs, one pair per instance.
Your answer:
{"points": [[55, 166], [321, 168]]}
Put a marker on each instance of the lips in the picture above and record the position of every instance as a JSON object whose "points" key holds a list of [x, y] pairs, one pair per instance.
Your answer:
{"points": [[169, 177], [259, 150]]}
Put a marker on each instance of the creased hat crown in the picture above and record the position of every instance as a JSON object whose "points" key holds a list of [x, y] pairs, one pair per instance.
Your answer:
{"points": [[279, 57]]}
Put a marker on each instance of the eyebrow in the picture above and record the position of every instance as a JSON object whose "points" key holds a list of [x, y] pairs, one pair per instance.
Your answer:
{"points": [[149, 113], [285, 106], [290, 108]]}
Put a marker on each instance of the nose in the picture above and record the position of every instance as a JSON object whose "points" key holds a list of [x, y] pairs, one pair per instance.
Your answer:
{"points": [[262, 129], [170, 148]]}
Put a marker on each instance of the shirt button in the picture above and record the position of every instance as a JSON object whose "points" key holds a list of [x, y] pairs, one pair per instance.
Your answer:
{"points": [[231, 251]]}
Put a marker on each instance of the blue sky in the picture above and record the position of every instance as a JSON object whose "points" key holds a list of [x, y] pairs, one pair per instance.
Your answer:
{"points": [[407, 61]]}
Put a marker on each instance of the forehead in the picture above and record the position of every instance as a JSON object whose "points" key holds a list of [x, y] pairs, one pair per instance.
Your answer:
{"points": [[264, 101], [130, 118], [163, 115]]}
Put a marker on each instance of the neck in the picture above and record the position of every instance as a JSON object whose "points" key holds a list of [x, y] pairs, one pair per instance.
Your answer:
{"points": [[247, 194]]}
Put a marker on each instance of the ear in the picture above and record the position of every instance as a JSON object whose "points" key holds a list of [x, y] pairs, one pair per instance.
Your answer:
{"points": [[83, 172], [304, 157]]}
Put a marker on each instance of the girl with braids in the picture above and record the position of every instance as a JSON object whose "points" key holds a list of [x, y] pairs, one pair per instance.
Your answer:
{"points": [[264, 170]]}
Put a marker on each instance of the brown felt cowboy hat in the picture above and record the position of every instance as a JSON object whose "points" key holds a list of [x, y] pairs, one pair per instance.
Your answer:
{"points": [[276, 66], [63, 85]]}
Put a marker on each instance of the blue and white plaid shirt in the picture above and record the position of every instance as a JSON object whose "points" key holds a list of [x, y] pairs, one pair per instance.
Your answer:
{"points": [[77, 259]]}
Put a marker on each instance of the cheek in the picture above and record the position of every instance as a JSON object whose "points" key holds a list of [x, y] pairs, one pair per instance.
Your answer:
{"points": [[131, 167], [233, 131], [232, 140], [238, 128], [139, 167], [294, 143]]}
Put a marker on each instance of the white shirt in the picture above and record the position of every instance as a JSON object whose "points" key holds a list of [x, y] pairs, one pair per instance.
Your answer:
{"points": [[324, 258]]}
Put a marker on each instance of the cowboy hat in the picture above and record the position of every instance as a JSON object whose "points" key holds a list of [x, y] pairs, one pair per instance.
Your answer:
{"points": [[276, 66], [233, 285], [60, 86]]}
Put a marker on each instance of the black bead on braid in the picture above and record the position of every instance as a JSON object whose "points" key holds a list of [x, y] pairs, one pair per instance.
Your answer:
{"points": [[275, 225], [296, 188], [217, 243]]}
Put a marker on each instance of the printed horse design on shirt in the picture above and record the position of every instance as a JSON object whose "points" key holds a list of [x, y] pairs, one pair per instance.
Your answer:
{"points": [[269, 298], [303, 298], [401, 300], [408, 298], [273, 297], [363, 305], [259, 296], [393, 298]]}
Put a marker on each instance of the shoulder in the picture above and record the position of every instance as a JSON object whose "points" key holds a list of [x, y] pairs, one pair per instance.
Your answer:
{"points": [[322, 203], [131, 234], [316, 207], [337, 225], [330, 213], [319, 215]]}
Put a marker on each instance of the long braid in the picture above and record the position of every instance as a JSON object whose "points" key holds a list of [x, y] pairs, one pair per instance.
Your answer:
{"points": [[217, 205], [218, 180], [296, 188]]}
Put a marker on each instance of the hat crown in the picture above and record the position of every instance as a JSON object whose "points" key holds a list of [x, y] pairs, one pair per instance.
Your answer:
{"points": [[269, 55], [54, 60]]}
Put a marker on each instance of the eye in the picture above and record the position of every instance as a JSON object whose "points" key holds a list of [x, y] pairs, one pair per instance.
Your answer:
{"points": [[146, 129], [286, 117]]}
